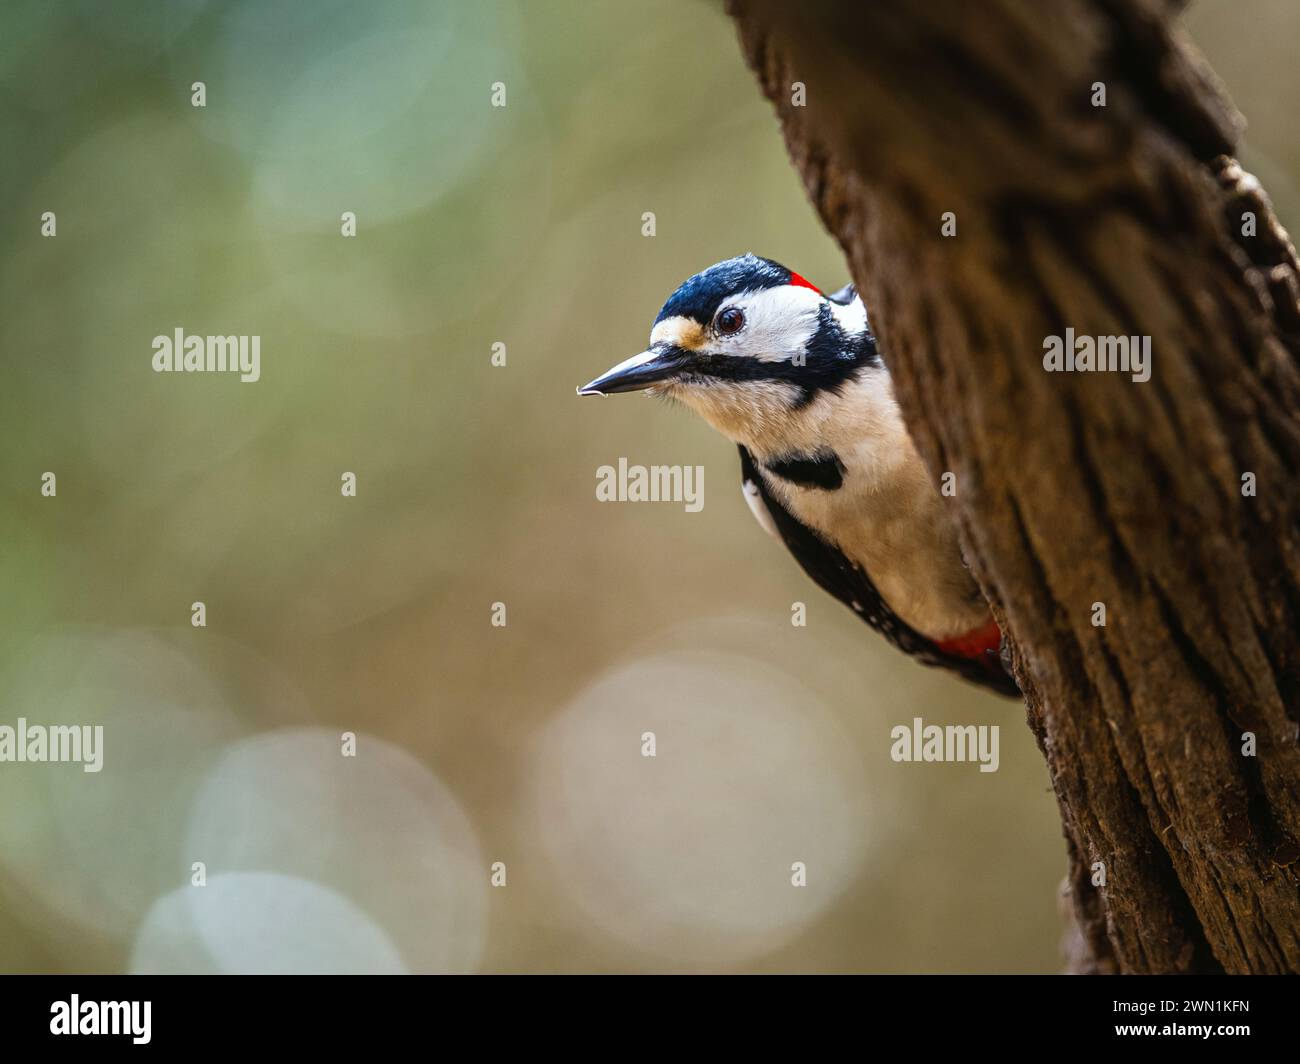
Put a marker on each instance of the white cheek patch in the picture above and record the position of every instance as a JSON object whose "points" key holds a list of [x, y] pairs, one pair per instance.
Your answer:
{"points": [[778, 323]]}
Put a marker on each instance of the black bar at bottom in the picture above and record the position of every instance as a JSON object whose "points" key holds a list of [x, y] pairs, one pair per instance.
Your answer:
{"points": [[344, 1013]]}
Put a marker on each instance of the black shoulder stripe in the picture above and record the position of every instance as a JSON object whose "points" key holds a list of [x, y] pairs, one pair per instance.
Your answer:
{"points": [[835, 574], [822, 469]]}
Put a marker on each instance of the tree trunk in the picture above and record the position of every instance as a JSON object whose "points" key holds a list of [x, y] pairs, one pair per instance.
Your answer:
{"points": [[1170, 731]]}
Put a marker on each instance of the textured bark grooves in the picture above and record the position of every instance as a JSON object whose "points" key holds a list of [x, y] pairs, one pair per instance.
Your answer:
{"points": [[1082, 488]]}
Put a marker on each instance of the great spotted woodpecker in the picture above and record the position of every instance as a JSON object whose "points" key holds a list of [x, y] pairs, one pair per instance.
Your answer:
{"points": [[793, 376]]}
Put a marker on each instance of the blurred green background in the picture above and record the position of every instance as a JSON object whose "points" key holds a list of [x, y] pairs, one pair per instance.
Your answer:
{"points": [[476, 484]]}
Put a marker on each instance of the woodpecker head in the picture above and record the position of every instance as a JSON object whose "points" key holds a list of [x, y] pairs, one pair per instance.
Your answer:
{"points": [[751, 346]]}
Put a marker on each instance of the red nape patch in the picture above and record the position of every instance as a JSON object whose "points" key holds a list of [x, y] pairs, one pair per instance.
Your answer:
{"points": [[803, 282], [974, 644]]}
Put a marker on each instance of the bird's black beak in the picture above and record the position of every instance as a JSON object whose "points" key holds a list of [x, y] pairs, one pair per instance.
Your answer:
{"points": [[654, 366]]}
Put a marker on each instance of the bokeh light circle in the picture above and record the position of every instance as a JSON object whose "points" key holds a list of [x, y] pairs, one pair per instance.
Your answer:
{"points": [[380, 829], [688, 855], [261, 923]]}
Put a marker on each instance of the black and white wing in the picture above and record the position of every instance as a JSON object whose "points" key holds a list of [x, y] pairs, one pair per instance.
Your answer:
{"points": [[849, 583]]}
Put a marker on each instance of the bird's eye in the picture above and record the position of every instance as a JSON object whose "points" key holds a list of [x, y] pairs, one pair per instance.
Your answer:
{"points": [[730, 321]]}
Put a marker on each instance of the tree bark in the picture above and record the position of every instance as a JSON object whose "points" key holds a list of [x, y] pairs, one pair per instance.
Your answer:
{"points": [[1076, 489]]}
